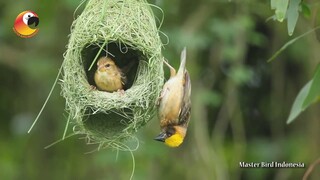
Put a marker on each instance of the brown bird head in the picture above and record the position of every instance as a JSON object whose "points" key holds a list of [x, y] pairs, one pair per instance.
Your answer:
{"points": [[106, 64]]}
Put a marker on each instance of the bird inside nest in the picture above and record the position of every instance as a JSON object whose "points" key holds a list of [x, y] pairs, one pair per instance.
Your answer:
{"points": [[110, 77]]}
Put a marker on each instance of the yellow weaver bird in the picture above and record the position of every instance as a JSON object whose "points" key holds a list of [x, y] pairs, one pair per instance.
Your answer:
{"points": [[175, 105], [108, 77]]}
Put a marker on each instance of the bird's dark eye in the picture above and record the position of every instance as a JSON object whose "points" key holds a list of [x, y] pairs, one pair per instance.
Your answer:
{"points": [[107, 65], [170, 131]]}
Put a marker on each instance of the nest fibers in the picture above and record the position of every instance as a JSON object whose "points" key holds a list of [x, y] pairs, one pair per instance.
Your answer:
{"points": [[126, 31]]}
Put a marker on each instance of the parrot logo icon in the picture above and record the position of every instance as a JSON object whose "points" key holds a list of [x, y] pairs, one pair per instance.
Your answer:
{"points": [[26, 24]]}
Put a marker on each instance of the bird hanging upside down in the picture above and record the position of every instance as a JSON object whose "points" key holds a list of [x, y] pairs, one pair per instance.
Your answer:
{"points": [[175, 105], [108, 76]]}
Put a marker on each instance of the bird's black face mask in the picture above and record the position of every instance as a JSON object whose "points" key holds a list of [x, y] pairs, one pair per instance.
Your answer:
{"points": [[164, 135]]}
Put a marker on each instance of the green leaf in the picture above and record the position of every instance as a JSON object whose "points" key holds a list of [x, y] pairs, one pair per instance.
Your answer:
{"points": [[292, 15], [297, 106], [309, 94], [314, 91], [281, 9]]}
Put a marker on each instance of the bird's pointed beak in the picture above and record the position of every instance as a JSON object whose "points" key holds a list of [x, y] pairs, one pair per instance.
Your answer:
{"points": [[161, 137], [100, 67]]}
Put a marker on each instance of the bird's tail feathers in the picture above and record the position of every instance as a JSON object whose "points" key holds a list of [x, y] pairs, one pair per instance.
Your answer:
{"points": [[183, 60]]}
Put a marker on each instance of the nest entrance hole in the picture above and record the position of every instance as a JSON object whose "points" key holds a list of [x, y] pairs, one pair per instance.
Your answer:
{"points": [[125, 57]]}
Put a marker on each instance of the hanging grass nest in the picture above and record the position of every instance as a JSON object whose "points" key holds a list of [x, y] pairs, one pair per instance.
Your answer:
{"points": [[126, 31]]}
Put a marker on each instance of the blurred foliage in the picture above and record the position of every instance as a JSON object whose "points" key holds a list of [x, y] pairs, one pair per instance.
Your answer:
{"points": [[240, 102]]}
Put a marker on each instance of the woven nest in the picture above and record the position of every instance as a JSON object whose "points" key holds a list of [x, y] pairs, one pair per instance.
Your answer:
{"points": [[128, 29]]}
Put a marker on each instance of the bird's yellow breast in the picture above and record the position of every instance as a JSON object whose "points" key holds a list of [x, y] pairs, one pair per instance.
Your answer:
{"points": [[174, 140], [108, 82]]}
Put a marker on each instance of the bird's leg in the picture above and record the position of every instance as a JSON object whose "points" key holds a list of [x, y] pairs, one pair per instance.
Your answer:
{"points": [[158, 100], [92, 87], [121, 91], [162, 94], [172, 70]]}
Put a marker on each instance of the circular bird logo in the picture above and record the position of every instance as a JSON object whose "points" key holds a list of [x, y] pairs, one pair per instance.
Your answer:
{"points": [[26, 24]]}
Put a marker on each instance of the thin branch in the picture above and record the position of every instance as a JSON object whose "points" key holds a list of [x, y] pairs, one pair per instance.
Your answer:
{"points": [[310, 169]]}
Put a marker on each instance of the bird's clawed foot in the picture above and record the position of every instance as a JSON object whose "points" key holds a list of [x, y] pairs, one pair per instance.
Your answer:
{"points": [[92, 87], [162, 94], [121, 91], [158, 101]]}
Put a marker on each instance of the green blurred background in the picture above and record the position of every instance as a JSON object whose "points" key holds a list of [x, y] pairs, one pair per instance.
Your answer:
{"points": [[240, 102]]}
